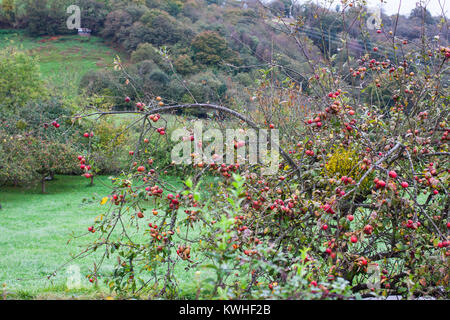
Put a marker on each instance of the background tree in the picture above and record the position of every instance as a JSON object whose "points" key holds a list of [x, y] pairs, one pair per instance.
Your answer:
{"points": [[20, 81], [50, 158], [44, 17], [422, 14], [210, 48], [7, 12], [93, 14]]}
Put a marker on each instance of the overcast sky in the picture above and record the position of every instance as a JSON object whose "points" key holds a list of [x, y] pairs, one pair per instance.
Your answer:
{"points": [[391, 6]]}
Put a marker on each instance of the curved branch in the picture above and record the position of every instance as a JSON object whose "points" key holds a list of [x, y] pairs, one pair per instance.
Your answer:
{"points": [[207, 106]]}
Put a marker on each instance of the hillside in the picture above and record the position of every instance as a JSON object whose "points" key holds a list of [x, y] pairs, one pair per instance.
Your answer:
{"points": [[63, 60], [217, 47]]}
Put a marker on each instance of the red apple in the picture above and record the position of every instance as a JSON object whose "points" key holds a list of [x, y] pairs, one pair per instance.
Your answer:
{"points": [[381, 184], [392, 174], [368, 229]]}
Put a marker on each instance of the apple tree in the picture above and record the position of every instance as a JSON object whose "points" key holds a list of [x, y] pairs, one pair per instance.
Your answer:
{"points": [[359, 205]]}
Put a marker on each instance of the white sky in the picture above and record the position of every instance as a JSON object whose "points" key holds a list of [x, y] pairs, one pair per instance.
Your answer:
{"points": [[390, 7]]}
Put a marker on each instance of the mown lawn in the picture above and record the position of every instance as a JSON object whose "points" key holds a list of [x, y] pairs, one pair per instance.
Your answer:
{"points": [[65, 59], [34, 233]]}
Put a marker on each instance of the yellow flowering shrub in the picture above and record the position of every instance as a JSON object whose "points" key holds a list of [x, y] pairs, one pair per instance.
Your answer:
{"points": [[345, 162]]}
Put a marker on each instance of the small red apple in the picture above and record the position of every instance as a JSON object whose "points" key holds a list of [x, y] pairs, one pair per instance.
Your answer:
{"points": [[381, 184], [392, 174], [368, 229]]}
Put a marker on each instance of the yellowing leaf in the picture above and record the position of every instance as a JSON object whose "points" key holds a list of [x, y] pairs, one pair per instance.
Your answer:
{"points": [[104, 200]]}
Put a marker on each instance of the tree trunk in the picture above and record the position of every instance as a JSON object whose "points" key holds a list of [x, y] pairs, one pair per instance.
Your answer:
{"points": [[43, 184], [92, 181]]}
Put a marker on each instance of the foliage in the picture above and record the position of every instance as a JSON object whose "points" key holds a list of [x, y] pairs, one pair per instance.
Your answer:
{"points": [[145, 51], [93, 14], [115, 23], [19, 80], [422, 14], [106, 147], [184, 65], [210, 48], [7, 12], [28, 160], [358, 207], [156, 27], [344, 163], [15, 164], [43, 17]]}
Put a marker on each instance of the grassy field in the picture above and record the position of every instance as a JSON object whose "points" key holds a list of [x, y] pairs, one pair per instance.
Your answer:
{"points": [[34, 230], [63, 60]]}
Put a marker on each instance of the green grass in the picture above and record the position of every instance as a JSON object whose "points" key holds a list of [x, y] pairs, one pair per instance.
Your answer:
{"points": [[34, 230], [64, 60]]}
